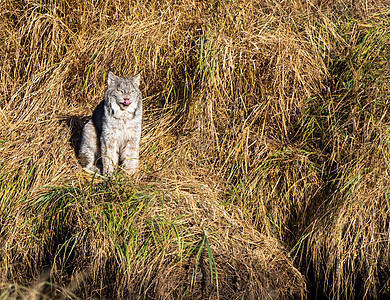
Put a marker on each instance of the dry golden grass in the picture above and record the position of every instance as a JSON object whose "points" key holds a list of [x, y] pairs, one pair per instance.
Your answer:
{"points": [[265, 135]]}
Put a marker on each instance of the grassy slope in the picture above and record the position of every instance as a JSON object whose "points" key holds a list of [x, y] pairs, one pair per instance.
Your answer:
{"points": [[264, 157]]}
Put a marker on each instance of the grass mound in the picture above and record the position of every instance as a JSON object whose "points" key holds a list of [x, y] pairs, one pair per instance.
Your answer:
{"points": [[160, 240], [264, 154]]}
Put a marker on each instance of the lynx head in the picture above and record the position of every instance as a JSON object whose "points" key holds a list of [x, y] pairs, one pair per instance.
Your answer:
{"points": [[123, 93]]}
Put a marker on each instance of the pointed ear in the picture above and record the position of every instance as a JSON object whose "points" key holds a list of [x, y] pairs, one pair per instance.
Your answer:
{"points": [[111, 78], [136, 79]]}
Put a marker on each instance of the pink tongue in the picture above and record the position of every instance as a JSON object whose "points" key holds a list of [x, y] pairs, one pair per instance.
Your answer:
{"points": [[127, 102]]}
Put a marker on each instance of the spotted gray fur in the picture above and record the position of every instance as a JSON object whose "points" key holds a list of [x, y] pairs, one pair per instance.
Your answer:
{"points": [[112, 135]]}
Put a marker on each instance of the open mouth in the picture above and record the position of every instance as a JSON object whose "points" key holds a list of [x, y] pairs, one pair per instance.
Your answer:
{"points": [[126, 102]]}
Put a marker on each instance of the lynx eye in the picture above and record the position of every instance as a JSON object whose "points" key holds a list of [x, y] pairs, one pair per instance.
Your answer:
{"points": [[121, 91]]}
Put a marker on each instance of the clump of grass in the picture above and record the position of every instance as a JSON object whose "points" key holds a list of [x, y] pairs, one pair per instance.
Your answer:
{"points": [[348, 246]]}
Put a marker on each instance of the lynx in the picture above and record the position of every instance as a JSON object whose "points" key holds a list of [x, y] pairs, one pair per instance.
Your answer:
{"points": [[112, 135]]}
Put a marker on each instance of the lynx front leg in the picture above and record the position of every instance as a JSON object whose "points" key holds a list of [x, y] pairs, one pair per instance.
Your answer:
{"points": [[110, 155], [129, 156]]}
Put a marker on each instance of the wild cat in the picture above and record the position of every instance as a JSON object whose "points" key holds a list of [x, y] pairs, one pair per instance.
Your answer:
{"points": [[112, 135]]}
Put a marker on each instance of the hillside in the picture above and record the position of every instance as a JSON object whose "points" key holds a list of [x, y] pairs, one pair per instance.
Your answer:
{"points": [[264, 164]]}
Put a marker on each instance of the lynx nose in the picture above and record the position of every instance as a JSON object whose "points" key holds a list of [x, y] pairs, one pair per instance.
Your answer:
{"points": [[126, 101]]}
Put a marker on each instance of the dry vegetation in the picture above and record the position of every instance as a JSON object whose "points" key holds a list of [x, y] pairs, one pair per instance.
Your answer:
{"points": [[264, 159]]}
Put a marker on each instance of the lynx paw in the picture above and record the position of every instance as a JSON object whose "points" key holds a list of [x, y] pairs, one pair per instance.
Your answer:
{"points": [[131, 171], [92, 170]]}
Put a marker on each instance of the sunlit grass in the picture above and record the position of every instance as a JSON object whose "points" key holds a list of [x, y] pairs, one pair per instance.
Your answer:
{"points": [[265, 132]]}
